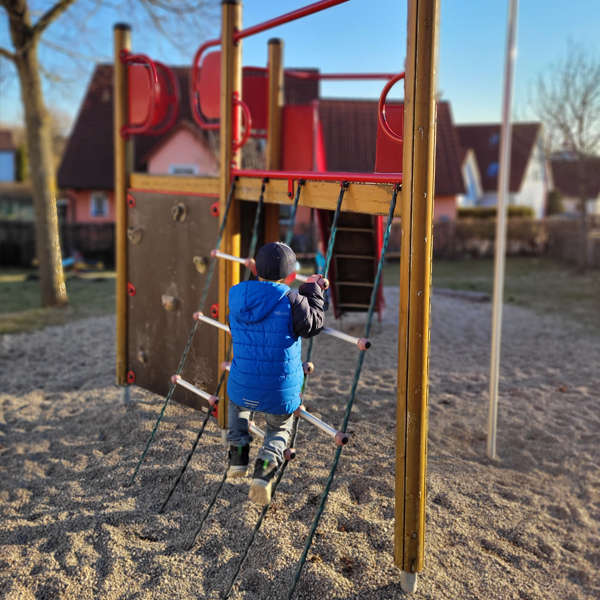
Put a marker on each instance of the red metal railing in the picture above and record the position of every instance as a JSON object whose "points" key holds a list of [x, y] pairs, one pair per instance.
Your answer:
{"points": [[320, 176], [287, 18], [381, 110], [333, 76]]}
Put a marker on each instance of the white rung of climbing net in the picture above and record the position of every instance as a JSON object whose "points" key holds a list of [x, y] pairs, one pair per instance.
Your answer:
{"points": [[340, 437], [212, 400], [198, 316], [247, 262], [362, 343]]}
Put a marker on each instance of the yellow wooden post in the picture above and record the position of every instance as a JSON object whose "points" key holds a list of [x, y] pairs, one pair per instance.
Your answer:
{"points": [[415, 281], [273, 161], [123, 164], [231, 83]]}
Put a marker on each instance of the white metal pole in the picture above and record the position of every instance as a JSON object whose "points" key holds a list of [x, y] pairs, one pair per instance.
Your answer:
{"points": [[503, 179]]}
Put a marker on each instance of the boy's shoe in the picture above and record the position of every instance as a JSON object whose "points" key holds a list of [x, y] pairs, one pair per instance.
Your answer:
{"points": [[238, 461], [262, 480]]}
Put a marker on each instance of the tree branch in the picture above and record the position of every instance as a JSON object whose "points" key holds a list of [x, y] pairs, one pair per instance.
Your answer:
{"points": [[51, 15], [7, 54]]}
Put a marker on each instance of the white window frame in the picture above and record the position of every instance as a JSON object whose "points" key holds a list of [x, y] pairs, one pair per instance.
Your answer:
{"points": [[195, 170], [95, 197]]}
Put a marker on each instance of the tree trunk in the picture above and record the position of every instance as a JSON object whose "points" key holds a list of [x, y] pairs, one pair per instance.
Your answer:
{"points": [[41, 173]]}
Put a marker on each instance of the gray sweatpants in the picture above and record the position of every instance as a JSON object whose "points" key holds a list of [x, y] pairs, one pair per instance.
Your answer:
{"points": [[277, 435]]}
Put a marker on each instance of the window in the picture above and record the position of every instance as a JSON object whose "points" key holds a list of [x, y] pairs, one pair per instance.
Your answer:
{"points": [[99, 204], [492, 170], [183, 169]]}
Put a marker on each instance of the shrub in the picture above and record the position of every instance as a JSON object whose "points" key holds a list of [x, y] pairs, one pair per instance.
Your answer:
{"points": [[489, 212]]}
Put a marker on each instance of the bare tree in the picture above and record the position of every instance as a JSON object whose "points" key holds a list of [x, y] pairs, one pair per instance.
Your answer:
{"points": [[26, 37], [567, 100]]}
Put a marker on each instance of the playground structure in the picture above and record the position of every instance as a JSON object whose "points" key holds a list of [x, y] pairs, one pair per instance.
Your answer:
{"points": [[173, 231]]}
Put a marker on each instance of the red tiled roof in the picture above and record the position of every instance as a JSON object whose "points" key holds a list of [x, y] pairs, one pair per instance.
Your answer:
{"points": [[566, 177], [485, 142], [6, 140], [88, 159], [350, 138]]}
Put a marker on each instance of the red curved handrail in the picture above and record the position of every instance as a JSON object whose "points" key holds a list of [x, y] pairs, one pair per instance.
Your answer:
{"points": [[247, 128], [127, 57], [194, 95], [381, 110], [172, 100]]}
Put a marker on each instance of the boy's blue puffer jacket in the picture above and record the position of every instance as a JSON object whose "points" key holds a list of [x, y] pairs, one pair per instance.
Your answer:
{"points": [[266, 372]]}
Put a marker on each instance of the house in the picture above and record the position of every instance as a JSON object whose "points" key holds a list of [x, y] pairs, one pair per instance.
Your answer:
{"points": [[16, 201], [8, 156], [350, 140], [529, 173], [566, 174], [86, 172]]}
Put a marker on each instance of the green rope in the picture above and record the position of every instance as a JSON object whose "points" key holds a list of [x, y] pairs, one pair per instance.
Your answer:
{"points": [[195, 444], [361, 358], [208, 509], [192, 332], [290, 231], [333, 233]]}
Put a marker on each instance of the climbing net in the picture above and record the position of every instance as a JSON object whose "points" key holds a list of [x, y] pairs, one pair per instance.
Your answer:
{"points": [[340, 437]]}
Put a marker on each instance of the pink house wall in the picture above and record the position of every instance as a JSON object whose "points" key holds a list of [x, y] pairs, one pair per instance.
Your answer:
{"points": [[183, 149], [80, 206], [444, 207]]}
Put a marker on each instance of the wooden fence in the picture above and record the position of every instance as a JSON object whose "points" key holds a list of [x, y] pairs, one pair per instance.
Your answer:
{"points": [[93, 241]]}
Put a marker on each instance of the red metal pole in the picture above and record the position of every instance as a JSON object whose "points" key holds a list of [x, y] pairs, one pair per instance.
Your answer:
{"points": [[309, 75], [317, 176], [287, 18]]}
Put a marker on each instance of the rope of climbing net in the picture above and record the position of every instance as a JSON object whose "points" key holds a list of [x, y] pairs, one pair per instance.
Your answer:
{"points": [[290, 232], [253, 243], [207, 282], [296, 423], [357, 373]]}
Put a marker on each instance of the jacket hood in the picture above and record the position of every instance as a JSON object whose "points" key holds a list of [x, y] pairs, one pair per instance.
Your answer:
{"points": [[252, 301]]}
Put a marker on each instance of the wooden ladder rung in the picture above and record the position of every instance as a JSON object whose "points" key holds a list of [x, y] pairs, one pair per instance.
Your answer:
{"points": [[350, 305], [353, 256], [355, 283]]}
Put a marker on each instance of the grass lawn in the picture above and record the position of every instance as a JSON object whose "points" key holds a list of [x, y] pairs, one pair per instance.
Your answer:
{"points": [[20, 301], [543, 284]]}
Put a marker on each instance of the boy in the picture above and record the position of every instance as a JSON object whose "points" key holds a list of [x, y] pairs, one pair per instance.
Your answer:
{"points": [[266, 375]]}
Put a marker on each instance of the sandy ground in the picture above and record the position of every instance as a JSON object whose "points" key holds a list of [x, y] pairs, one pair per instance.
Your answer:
{"points": [[525, 526]]}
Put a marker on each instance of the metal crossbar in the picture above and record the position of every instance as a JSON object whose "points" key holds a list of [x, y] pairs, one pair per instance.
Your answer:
{"points": [[191, 336], [357, 373]]}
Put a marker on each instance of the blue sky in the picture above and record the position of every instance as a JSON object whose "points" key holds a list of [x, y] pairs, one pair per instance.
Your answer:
{"points": [[361, 35]]}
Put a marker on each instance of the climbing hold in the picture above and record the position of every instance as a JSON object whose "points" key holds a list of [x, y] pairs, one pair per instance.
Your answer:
{"points": [[130, 377], [179, 212], [130, 288], [200, 263], [214, 311], [308, 367], [134, 234], [169, 302], [214, 209], [130, 201]]}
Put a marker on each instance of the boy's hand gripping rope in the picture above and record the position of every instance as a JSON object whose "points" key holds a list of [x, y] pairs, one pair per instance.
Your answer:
{"points": [[361, 358], [192, 332]]}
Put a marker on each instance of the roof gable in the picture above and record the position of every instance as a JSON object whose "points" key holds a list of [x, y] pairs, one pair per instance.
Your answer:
{"points": [[485, 142], [350, 138]]}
